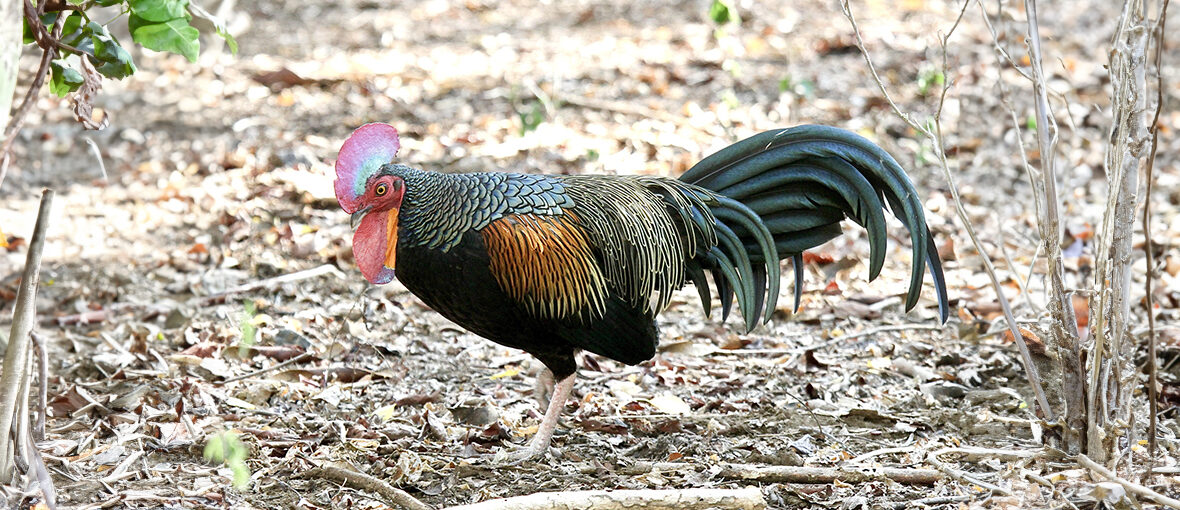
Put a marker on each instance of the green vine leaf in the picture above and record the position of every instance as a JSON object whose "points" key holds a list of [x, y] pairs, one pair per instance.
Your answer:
{"points": [[174, 35], [218, 26], [160, 11], [63, 78], [73, 23], [112, 60]]}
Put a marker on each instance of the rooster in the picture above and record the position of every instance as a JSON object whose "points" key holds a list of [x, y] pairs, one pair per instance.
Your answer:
{"points": [[554, 265]]}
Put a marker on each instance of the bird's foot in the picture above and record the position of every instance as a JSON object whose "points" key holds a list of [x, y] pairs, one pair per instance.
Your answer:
{"points": [[514, 456]]}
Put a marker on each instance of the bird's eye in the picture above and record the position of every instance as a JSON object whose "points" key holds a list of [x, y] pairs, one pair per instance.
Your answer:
{"points": [[381, 189]]}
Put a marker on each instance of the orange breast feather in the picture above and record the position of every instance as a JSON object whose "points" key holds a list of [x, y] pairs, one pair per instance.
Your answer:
{"points": [[546, 263]]}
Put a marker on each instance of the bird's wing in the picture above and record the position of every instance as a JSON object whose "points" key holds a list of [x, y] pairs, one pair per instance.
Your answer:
{"points": [[547, 264]]}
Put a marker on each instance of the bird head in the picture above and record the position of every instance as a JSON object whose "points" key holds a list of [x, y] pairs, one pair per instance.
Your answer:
{"points": [[367, 188]]}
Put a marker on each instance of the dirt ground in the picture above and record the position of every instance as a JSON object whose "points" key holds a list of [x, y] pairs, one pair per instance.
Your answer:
{"points": [[220, 178]]}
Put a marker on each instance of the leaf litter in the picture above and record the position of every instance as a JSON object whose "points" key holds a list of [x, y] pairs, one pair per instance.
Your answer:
{"points": [[222, 179]]}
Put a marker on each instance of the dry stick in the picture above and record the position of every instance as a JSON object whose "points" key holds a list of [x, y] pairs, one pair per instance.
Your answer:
{"points": [[806, 474], [785, 474], [1049, 221], [829, 342], [1152, 343], [269, 282], [23, 315], [749, 498], [292, 361], [42, 386], [1108, 410], [358, 480], [1131, 487], [96, 316], [936, 139]]}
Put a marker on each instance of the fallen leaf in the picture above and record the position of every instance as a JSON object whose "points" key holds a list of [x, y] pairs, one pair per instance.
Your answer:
{"points": [[670, 404], [817, 258]]}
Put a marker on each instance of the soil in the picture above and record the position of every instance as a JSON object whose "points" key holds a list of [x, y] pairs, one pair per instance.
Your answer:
{"points": [[218, 176]]}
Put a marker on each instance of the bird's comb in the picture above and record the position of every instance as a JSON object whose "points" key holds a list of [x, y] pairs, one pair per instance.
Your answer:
{"points": [[362, 154]]}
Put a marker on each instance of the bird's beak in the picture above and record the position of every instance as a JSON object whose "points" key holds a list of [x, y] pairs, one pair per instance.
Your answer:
{"points": [[359, 215]]}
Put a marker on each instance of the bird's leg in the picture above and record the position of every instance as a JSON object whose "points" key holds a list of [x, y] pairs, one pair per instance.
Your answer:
{"points": [[540, 441], [543, 390]]}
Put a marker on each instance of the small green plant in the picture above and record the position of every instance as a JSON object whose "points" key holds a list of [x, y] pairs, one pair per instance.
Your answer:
{"points": [[249, 330], [723, 12], [160, 25], [226, 448], [930, 77], [1030, 123], [805, 88], [531, 116]]}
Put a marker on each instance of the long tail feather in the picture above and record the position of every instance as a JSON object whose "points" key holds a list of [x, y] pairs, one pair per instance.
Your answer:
{"points": [[798, 184]]}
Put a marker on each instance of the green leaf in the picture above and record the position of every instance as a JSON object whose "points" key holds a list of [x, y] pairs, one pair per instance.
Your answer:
{"points": [[249, 330], [174, 35], [226, 448], [229, 41], [63, 78], [218, 26], [109, 56], [159, 10], [722, 12], [531, 118], [719, 12], [73, 22], [108, 3]]}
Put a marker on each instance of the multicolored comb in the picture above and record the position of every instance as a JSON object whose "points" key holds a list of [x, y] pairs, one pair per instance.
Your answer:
{"points": [[362, 154]]}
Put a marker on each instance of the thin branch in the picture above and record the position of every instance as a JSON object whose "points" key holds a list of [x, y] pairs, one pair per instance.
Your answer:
{"points": [[1131, 487], [1152, 342], [297, 359], [808, 474], [42, 386], [940, 150], [749, 498], [829, 342], [358, 480], [16, 358], [269, 282]]}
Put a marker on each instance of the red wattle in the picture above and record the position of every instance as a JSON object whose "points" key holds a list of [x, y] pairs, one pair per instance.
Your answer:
{"points": [[369, 247]]}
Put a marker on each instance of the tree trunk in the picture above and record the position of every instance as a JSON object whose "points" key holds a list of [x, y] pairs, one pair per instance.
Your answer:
{"points": [[11, 13], [1112, 356]]}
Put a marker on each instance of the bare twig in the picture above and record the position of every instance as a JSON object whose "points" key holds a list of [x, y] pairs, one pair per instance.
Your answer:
{"points": [[1152, 342], [16, 357], [42, 386], [106, 313], [623, 108], [749, 498], [936, 139], [1110, 357], [1131, 487], [102, 167], [806, 474], [358, 480], [267, 283], [1065, 335], [297, 359], [829, 342], [787, 474]]}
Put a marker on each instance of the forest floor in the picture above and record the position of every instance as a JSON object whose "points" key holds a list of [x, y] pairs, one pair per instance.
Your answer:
{"points": [[160, 309]]}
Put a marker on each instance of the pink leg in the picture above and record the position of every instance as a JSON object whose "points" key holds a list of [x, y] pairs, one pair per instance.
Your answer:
{"points": [[540, 442]]}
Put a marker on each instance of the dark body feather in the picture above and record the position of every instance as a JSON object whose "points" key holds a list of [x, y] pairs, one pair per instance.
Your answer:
{"points": [[556, 264]]}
